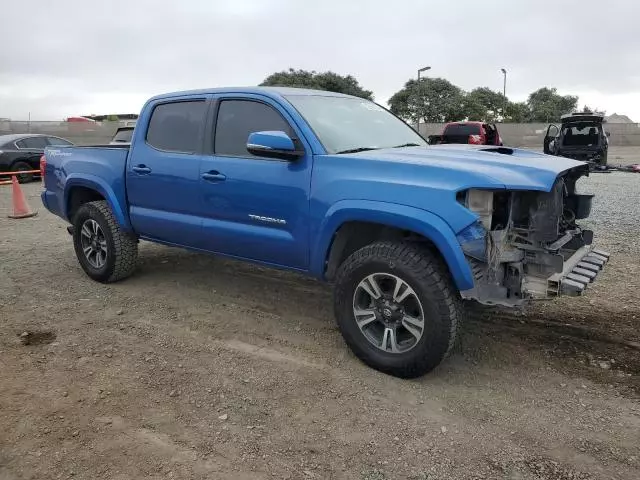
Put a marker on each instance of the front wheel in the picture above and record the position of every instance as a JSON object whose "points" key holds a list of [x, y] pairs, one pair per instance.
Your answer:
{"points": [[105, 252], [396, 308]]}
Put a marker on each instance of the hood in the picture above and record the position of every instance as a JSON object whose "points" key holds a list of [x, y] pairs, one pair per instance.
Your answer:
{"points": [[481, 166]]}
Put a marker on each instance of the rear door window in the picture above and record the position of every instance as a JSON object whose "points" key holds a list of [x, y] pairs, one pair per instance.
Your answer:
{"points": [[37, 143], [55, 141], [176, 126]]}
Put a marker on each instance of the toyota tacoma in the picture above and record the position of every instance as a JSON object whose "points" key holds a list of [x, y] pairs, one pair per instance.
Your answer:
{"points": [[338, 188]]}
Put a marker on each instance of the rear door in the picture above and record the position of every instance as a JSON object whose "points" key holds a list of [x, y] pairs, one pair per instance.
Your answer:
{"points": [[551, 139], [30, 150], [163, 172], [255, 207]]}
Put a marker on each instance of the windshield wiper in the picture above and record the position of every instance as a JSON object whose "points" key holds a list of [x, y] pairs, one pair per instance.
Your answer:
{"points": [[356, 150], [407, 145]]}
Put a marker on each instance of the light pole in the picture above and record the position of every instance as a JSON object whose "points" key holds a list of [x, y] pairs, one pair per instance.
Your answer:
{"points": [[504, 94], [420, 70], [423, 69]]}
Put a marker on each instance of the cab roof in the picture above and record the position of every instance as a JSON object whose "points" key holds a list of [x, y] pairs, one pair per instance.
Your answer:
{"points": [[268, 91]]}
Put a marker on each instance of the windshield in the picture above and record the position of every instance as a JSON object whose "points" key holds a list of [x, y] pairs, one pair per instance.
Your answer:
{"points": [[581, 134], [345, 124]]}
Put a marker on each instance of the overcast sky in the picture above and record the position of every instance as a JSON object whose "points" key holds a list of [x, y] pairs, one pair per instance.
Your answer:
{"points": [[73, 57]]}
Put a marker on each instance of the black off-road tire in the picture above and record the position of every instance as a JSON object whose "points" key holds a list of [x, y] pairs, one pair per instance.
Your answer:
{"points": [[122, 247], [24, 177], [429, 278]]}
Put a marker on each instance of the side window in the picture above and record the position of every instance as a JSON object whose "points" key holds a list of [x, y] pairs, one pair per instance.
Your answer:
{"points": [[239, 118], [58, 141], [33, 142], [175, 127]]}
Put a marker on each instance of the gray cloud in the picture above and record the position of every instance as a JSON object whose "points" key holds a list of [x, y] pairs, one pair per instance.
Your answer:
{"points": [[80, 56]]}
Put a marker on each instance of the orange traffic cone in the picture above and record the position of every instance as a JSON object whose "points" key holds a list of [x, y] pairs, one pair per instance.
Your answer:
{"points": [[20, 207]]}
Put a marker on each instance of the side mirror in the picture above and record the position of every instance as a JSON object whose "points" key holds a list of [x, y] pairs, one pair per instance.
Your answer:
{"points": [[273, 144], [608, 134]]}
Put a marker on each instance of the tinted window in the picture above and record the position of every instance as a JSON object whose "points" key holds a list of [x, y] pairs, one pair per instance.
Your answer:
{"points": [[345, 123], [239, 118], [465, 130], [58, 141], [176, 126], [123, 135], [33, 142]]}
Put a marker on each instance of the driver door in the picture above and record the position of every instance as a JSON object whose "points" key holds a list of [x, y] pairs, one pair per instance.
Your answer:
{"points": [[550, 140], [254, 207]]}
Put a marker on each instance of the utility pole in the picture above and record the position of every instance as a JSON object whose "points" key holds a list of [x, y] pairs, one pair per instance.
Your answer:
{"points": [[504, 94], [420, 70]]}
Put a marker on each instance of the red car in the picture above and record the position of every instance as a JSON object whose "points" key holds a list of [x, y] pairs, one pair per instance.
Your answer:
{"points": [[475, 133]]}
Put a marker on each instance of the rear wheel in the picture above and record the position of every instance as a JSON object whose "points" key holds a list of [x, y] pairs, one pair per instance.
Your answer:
{"points": [[396, 308], [22, 167], [105, 252]]}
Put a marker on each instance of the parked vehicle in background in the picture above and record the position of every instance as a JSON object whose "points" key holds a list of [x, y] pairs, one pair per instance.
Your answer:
{"points": [[338, 188], [122, 136], [81, 124], [473, 133], [22, 152], [581, 136]]}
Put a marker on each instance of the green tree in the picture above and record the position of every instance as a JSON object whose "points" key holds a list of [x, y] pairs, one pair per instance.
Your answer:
{"points": [[546, 105], [483, 104], [328, 81], [517, 112], [431, 100]]}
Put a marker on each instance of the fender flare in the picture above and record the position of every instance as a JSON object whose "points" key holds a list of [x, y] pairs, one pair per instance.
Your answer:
{"points": [[404, 217], [97, 184]]}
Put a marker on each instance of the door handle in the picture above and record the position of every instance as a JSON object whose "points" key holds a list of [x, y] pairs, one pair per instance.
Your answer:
{"points": [[214, 176], [141, 169]]}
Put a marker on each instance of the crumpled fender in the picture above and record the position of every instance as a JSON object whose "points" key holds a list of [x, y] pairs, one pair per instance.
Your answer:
{"points": [[394, 215], [103, 188]]}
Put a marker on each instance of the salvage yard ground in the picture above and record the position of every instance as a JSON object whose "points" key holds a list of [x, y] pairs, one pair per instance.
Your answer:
{"points": [[199, 367]]}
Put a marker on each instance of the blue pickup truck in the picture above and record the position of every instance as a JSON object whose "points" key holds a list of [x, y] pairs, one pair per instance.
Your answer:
{"points": [[338, 188]]}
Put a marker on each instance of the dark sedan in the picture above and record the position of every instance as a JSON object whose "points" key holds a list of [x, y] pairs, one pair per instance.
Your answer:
{"points": [[22, 152]]}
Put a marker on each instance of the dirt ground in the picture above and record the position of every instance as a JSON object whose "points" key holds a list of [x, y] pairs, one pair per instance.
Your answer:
{"points": [[199, 367]]}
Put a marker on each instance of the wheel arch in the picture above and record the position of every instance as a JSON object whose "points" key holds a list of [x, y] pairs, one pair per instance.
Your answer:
{"points": [[350, 225], [81, 190]]}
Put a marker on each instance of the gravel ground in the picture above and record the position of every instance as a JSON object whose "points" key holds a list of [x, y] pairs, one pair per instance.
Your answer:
{"points": [[199, 367]]}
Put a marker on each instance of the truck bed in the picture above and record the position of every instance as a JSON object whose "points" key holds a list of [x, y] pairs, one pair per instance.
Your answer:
{"points": [[100, 167]]}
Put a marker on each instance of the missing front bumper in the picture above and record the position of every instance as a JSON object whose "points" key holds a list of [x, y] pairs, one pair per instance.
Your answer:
{"points": [[579, 270], [577, 279]]}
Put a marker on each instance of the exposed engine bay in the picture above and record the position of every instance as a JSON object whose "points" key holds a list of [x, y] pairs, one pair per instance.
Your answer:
{"points": [[528, 244]]}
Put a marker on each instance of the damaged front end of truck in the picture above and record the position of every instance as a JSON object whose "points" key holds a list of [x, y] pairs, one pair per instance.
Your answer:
{"points": [[528, 245]]}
